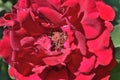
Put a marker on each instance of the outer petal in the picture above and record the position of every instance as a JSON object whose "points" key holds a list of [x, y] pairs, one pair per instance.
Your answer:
{"points": [[106, 12], [5, 48], [16, 75], [85, 77], [73, 61], [53, 75], [103, 50], [92, 27], [103, 72], [87, 64]]}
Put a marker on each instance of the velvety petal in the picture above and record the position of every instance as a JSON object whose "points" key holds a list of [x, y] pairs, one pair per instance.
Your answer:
{"points": [[5, 48], [70, 3], [106, 12], [81, 42], [23, 68], [27, 41], [16, 75], [104, 57], [92, 27], [35, 4], [57, 59], [53, 75], [24, 3], [15, 40], [56, 3], [71, 6], [52, 15], [28, 23], [89, 8], [73, 61], [44, 42], [85, 77], [109, 26], [66, 29], [30, 56], [87, 64], [103, 72], [103, 40], [7, 20], [39, 69], [103, 53]]}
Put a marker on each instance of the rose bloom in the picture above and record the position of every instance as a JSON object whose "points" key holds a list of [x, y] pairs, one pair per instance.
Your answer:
{"points": [[58, 40]]}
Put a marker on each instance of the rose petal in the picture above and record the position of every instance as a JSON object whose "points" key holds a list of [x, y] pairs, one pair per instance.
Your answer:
{"points": [[92, 27], [104, 49], [87, 64], [52, 15], [16, 75], [53, 75], [106, 12], [27, 22], [5, 48], [81, 42], [24, 3], [85, 77]]}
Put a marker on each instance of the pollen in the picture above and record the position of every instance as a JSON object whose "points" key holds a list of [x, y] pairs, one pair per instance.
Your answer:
{"points": [[58, 39]]}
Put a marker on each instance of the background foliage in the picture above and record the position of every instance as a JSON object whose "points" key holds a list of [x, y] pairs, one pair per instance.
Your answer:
{"points": [[5, 6]]}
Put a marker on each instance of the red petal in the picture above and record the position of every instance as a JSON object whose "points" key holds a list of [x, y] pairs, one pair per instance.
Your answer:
{"points": [[15, 40], [30, 25], [92, 27], [103, 50], [87, 64], [85, 77], [51, 14], [56, 3], [16, 75], [5, 48], [24, 3], [73, 61], [81, 42], [106, 12], [23, 68], [61, 74], [104, 56]]}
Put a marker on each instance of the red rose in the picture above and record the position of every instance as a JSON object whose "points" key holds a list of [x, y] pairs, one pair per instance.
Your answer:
{"points": [[58, 40]]}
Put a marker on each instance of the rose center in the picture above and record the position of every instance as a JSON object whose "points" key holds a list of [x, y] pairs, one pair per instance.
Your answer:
{"points": [[58, 39]]}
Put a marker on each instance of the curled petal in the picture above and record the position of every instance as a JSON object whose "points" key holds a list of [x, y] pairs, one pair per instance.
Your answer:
{"points": [[81, 42], [24, 3], [106, 12], [85, 77], [92, 27], [87, 64], [27, 22], [16, 75], [52, 15], [5, 48]]}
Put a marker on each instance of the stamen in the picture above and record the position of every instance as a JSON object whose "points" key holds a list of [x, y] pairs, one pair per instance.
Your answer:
{"points": [[58, 39]]}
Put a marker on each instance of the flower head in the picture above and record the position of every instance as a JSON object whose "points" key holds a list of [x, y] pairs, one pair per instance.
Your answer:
{"points": [[58, 40]]}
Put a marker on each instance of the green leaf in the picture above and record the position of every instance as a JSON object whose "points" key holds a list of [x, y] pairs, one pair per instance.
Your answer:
{"points": [[8, 5], [115, 74], [116, 36], [4, 71], [117, 53]]}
